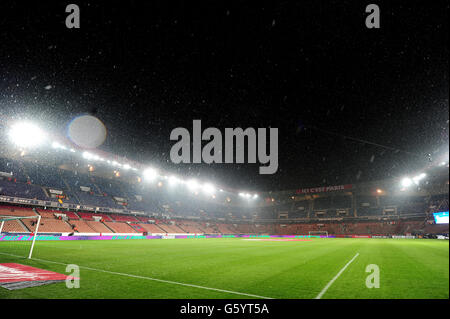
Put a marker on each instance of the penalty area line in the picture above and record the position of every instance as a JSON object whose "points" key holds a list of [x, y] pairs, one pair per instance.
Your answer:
{"points": [[148, 278], [324, 290]]}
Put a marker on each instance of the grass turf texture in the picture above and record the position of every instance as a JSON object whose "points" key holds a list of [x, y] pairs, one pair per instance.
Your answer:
{"points": [[290, 270]]}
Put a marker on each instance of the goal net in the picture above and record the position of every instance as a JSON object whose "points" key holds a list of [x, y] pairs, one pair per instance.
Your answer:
{"points": [[18, 236], [318, 234]]}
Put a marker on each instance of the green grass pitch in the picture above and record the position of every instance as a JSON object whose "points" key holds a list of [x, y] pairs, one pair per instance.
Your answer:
{"points": [[287, 269]]}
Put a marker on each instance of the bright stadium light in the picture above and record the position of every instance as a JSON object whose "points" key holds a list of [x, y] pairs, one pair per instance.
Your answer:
{"points": [[192, 184], [418, 178], [26, 134], [255, 196], [406, 182], [87, 155], [208, 188], [173, 180], [150, 174]]}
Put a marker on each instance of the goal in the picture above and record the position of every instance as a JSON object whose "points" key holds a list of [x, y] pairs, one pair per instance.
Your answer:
{"points": [[18, 235], [318, 234]]}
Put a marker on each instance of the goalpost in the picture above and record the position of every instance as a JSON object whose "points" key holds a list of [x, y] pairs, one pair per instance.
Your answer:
{"points": [[14, 238], [318, 233]]}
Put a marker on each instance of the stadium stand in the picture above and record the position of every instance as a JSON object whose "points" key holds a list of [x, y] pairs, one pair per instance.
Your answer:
{"points": [[10, 188], [81, 226], [49, 225], [14, 226], [123, 218], [357, 211], [99, 227], [16, 211], [120, 227], [152, 228]]}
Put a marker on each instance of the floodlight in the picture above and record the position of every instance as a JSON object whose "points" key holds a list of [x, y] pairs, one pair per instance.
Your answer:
{"points": [[255, 196], [192, 184], [126, 166], [26, 134], [150, 174], [208, 188], [418, 178], [173, 180], [406, 182], [87, 155]]}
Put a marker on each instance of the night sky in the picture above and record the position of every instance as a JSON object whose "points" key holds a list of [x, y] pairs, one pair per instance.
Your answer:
{"points": [[310, 68]]}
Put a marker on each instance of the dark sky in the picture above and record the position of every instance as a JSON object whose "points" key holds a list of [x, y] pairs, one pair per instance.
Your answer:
{"points": [[310, 68]]}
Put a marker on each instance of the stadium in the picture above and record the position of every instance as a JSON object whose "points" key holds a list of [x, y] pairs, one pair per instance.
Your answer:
{"points": [[163, 237], [224, 159]]}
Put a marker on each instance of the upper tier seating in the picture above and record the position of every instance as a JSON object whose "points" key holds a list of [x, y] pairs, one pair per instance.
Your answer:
{"points": [[21, 190], [14, 168], [96, 200], [44, 176]]}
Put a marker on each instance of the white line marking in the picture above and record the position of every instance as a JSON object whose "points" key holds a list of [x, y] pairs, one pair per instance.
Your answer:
{"points": [[149, 278], [324, 290]]}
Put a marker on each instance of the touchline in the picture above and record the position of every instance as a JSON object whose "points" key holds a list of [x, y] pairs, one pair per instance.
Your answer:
{"points": [[213, 152]]}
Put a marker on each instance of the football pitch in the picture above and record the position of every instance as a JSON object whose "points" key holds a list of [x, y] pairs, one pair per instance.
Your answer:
{"points": [[238, 268]]}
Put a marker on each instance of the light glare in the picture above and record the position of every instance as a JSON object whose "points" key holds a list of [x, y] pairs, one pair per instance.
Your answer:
{"points": [[406, 182], [192, 184], [150, 174], [208, 188], [26, 135]]}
